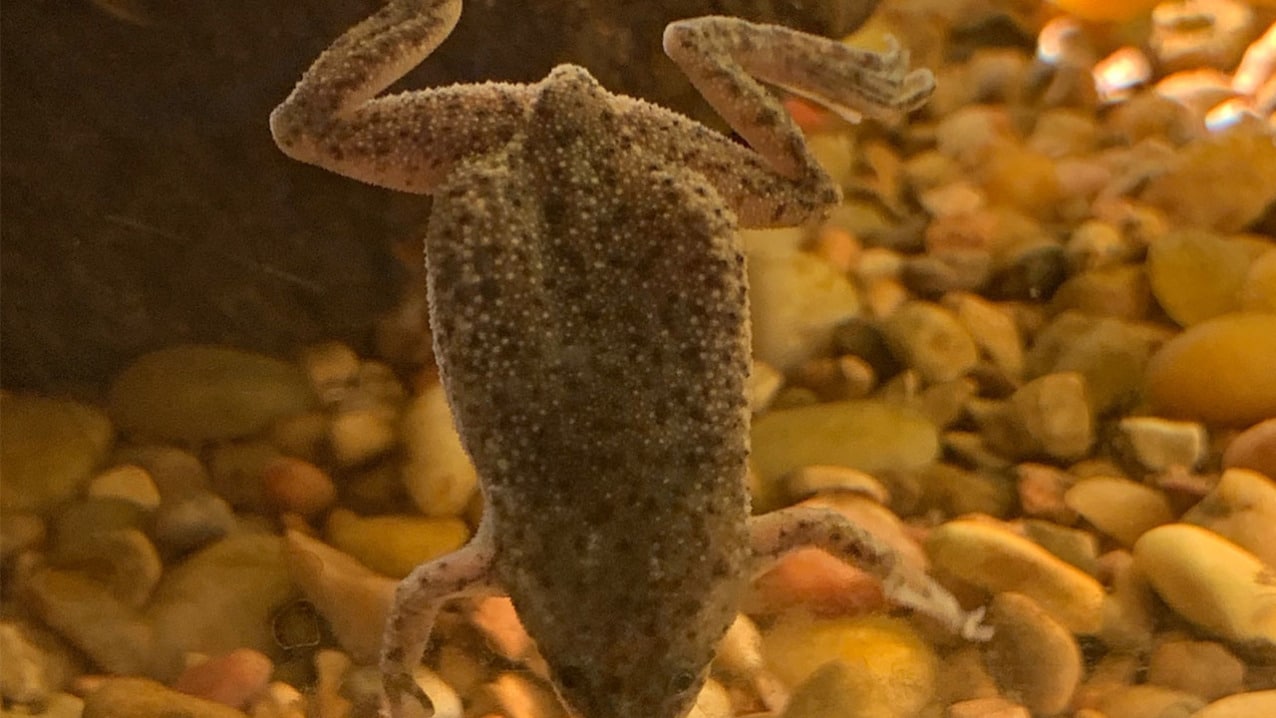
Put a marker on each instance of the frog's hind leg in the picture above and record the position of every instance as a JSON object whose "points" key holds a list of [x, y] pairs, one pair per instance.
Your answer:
{"points": [[780, 532], [466, 572]]}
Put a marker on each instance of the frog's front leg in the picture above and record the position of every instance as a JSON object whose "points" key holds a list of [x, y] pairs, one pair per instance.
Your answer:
{"points": [[781, 532], [408, 141], [722, 56], [466, 572]]}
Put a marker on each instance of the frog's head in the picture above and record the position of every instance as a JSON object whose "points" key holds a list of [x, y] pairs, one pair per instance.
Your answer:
{"points": [[635, 685]]}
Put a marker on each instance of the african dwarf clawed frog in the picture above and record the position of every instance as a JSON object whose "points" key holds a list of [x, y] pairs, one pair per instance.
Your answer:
{"points": [[587, 296]]}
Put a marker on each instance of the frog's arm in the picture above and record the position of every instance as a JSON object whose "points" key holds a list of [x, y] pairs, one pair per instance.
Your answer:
{"points": [[781, 532], [725, 57], [409, 141]]}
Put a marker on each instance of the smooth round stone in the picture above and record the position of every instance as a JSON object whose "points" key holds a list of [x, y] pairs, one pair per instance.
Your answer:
{"points": [[360, 435], [196, 393], [394, 545], [297, 486], [1254, 448], [1211, 582], [1110, 353], [48, 450], [1191, 191], [1202, 668], [437, 474], [354, 600], [890, 671], [797, 299], [1159, 444], [931, 340], [1105, 10], [992, 328], [85, 613], [1242, 509], [1259, 292], [1218, 371], [871, 436], [232, 679], [1055, 412], [189, 522], [128, 482], [1241, 705], [1144, 701], [1120, 508], [118, 697], [1032, 656], [989, 555], [123, 560], [1197, 275]]}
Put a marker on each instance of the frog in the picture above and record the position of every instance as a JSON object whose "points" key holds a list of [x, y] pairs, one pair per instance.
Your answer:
{"points": [[588, 301]]}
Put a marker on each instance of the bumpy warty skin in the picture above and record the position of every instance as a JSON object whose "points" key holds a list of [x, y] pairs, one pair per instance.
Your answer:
{"points": [[595, 346]]}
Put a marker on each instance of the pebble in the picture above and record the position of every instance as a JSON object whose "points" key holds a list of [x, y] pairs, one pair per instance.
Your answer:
{"points": [[1110, 353], [1077, 547], [1254, 448], [1211, 582], [1041, 490], [930, 339], [1131, 612], [1119, 508], [236, 472], [297, 486], [195, 393], [332, 368], [871, 436], [1055, 413], [437, 473], [118, 697], [1259, 292], [1119, 291], [394, 545], [122, 560], [115, 637], [993, 329], [808, 481], [1095, 244], [1105, 10], [1242, 509], [19, 533], [1203, 668], [888, 670], [1241, 705], [830, 692], [129, 482], [971, 133], [279, 700], [190, 522], [176, 472], [1196, 274], [1031, 655], [1218, 371], [233, 679], [955, 491], [357, 436], [1032, 274], [764, 383], [1191, 193], [1159, 444], [29, 672], [49, 450], [1146, 701], [354, 600], [201, 605], [989, 555], [797, 299], [996, 707]]}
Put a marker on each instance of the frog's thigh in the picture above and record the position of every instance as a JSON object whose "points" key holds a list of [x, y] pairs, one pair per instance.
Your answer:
{"points": [[780, 532]]}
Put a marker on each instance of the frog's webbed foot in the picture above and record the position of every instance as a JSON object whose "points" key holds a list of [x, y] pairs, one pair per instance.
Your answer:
{"points": [[781, 532]]}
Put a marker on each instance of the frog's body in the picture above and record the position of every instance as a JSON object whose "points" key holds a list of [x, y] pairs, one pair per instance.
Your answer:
{"points": [[589, 308]]}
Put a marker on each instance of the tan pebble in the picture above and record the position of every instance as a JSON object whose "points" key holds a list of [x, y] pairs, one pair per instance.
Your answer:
{"points": [[1055, 412], [176, 472], [817, 582], [123, 560], [1259, 291], [331, 368], [304, 435], [930, 339], [964, 677], [1242, 509], [1095, 244], [1150, 114], [987, 554], [1031, 655], [870, 436], [968, 447], [1211, 582], [233, 679], [279, 700], [1203, 668], [437, 474], [953, 199], [1159, 444], [972, 133], [883, 297], [194, 393], [1110, 353], [49, 450], [331, 668], [84, 612], [360, 435], [519, 697], [1120, 508], [1119, 291], [1130, 612], [837, 247], [764, 384], [811, 480], [1063, 131], [740, 652], [20, 532], [496, 618], [713, 701], [190, 522], [945, 402], [1024, 179], [394, 545], [1041, 490], [134, 697], [994, 707], [236, 472], [1145, 701], [1113, 671], [297, 486], [993, 329], [858, 668], [128, 482], [1191, 193], [1217, 371], [858, 376], [1241, 705], [929, 169], [797, 300], [1196, 274], [353, 599], [1254, 448], [956, 491], [1077, 547]]}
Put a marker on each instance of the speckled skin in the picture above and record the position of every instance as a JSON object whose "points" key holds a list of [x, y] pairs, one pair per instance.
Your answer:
{"points": [[589, 307]]}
